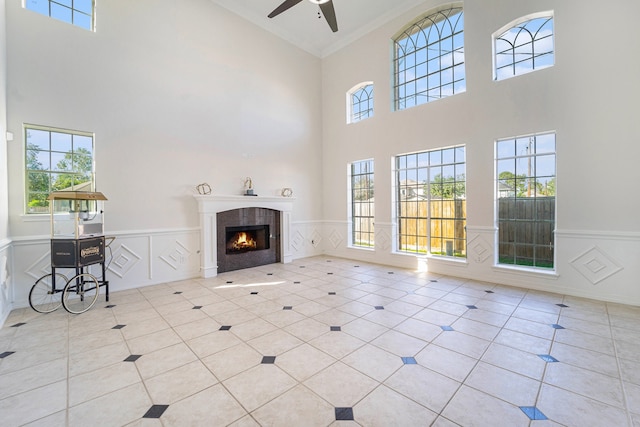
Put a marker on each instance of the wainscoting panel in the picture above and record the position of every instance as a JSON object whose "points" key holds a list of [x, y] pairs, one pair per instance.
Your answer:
{"points": [[134, 259], [6, 294], [307, 239]]}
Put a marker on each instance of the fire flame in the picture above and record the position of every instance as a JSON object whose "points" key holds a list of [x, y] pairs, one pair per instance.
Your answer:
{"points": [[244, 241]]}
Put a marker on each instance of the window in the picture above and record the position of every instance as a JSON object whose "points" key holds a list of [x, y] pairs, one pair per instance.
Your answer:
{"points": [[362, 204], [524, 47], [76, 12], [431, 202], [526, 200], [360, 102], [56, 160], [429, 59]]}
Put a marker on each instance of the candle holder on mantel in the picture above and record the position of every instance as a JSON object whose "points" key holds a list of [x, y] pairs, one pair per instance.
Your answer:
{"points": [[248, 185]]}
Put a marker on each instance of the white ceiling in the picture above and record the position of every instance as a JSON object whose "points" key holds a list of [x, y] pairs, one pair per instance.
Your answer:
{"points": [[301, 26]]}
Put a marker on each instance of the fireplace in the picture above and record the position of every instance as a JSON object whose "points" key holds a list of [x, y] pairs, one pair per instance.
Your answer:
{"points": [[247, 238], [244, 239], [209, 206]]}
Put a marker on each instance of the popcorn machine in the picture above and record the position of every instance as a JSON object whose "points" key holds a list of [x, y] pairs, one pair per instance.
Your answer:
{"points": [[77, 243]]}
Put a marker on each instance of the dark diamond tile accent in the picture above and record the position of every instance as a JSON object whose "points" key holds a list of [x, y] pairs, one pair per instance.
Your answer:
{"points": [[17, 325], [562, 305], [224, 328], [472, 307], [177, 293], [490, 292], [332, 293], [389, 272], [433, 280], [267, 360], [229, 281], [254, 293], [547, 358], [302, 266], [379, 307], [132, 358], [155, 411], [287, 307], [533, 413], [409, 361], [269, 274], [446, 328], [329, 274], [197, 307], [556, 326], [356, 266], [118, 326], [328, 260], [335, 328], [6, 353], [344, 414], [109, 306]]}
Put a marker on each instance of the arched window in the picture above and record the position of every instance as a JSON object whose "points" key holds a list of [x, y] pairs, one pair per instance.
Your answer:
{"points": [[360, 102], [526, 45], [429, 58]]}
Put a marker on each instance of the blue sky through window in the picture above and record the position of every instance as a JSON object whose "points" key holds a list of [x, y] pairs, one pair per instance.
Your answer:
{"points": [[76, 12]]}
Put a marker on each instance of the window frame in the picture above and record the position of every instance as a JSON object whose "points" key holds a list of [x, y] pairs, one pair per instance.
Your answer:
{"points": [[61, 5], [424, 170], [549, 15], [411, 89], [361, 168], [510, 238], [362, 114], [50, 155]]}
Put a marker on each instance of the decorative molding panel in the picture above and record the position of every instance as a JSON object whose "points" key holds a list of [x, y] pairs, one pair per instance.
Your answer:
{"points": [[316, 238], [336, 238], [383, 240], [176, 256], [595, 265], [40, 267], [298, 241], [124, 259], [478, 249]]}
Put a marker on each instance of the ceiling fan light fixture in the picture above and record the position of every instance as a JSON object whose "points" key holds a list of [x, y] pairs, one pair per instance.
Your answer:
{"points": [[319, 1]]}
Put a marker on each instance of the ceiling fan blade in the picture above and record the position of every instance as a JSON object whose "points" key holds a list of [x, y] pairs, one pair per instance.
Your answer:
{"points": [[330, 15], [286, 4]]}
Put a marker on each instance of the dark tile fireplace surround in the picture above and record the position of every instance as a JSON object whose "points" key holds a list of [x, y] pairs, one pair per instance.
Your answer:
{"points": [[260, 225]]}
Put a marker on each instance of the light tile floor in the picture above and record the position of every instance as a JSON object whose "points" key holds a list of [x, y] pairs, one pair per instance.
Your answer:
{"points": [[324, 342]]}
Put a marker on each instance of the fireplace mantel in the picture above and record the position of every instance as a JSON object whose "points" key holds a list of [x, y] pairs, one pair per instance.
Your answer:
{"points": [[210, 205]]}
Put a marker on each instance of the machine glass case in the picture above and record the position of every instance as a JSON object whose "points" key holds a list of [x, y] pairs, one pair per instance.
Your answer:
{"points": [[76, 214], [77, 228]]}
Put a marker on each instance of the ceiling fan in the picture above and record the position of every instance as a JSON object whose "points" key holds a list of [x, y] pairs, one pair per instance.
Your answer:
{"points": [[326, 6]]}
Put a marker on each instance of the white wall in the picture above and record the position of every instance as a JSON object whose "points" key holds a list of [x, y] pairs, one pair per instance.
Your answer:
{"points": [[588, 98], [5, 243], [177, 93], [180, 93]]}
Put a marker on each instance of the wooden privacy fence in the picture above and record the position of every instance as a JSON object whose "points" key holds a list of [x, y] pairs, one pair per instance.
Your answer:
{"points": [[525, 230], [525, 227], [445, 226], [446, 231]]}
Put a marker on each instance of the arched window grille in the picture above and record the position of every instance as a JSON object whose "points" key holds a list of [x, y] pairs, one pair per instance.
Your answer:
{"points": [[429, 59], [360, 102], [524, 47]]}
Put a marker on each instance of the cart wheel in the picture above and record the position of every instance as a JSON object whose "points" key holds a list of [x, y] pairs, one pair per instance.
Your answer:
{"points": [[42, 297], [80, 293]]}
